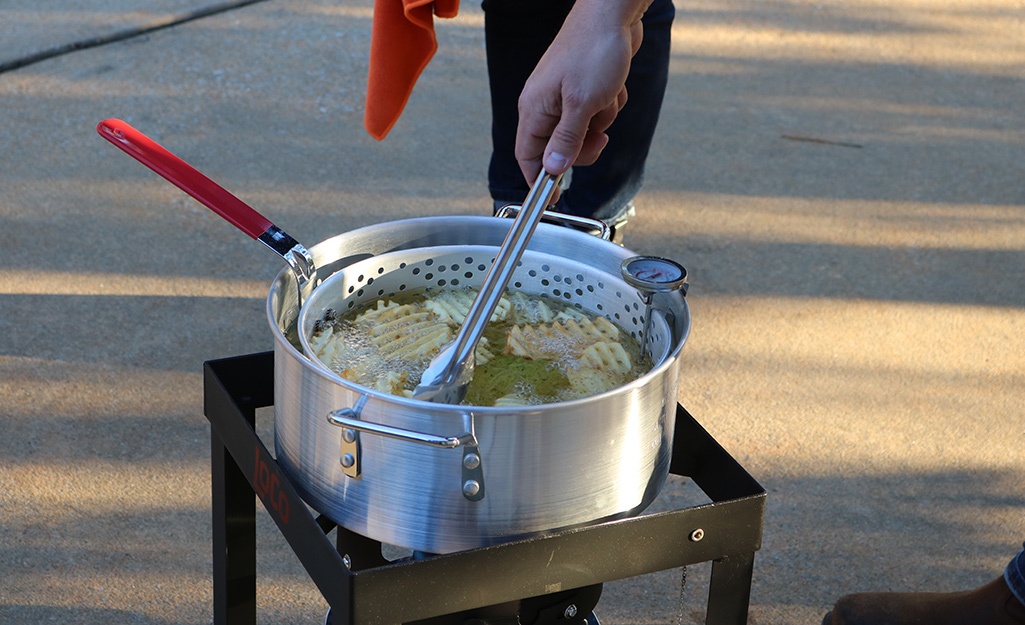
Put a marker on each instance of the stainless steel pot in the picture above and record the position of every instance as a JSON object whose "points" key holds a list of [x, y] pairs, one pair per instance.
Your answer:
{"points": [[442, 478]]}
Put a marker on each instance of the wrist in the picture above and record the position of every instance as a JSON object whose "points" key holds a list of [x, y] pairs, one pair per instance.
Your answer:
{"points": [[618, 13]]}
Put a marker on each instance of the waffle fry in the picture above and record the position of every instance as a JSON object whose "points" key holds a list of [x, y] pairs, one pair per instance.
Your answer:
{"points": [[510, 400], [421, 347], [399, 323], [585, 381], [557, 341], [320, 341], [384, 347], [452, 306], [406, 332], [382, 307], [607, 329], [329, 351], [525, 341], [402, 331], [392, 383], [605, 356], [483, 353], [529, 310]]}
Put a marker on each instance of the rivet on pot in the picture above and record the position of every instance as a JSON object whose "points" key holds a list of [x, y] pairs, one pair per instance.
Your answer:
{"points": [[471, 461], [697, 535], [348, 460], [347, 561], [349, 435], [571, 611], [471, 488]]}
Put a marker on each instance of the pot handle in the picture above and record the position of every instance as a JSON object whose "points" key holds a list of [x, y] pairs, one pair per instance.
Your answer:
{"points": [[472, 476], [347, 418], [562, 219]]}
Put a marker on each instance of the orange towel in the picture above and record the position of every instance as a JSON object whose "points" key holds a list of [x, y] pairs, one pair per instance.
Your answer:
{"points": [[402, 43]]}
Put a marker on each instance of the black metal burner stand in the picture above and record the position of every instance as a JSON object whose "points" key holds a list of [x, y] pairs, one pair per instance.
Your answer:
{"points": [[363, 588]]}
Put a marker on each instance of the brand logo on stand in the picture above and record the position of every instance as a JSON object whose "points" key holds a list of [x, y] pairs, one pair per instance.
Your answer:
{"points": [[268, 487]]}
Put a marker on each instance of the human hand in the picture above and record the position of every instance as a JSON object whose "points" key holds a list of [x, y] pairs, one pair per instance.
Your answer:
{"points": [[578, 87]]}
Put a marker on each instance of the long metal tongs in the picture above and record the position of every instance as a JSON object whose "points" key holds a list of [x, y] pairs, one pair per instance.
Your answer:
{"points": [[446, 378]]}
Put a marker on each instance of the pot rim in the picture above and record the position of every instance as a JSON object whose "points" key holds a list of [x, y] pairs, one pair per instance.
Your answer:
{"points": [[328, 375]]}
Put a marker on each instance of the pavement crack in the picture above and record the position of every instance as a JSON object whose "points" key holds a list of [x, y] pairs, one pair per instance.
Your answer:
{"points": [[122, 35]]}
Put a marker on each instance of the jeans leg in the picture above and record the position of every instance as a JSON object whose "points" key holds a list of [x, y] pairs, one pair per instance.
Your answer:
{"points": [[517, 33], [606, 189], [1015, 576]]}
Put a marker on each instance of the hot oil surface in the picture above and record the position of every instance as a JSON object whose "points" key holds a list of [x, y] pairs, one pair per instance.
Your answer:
{"points": [[500, 376]]}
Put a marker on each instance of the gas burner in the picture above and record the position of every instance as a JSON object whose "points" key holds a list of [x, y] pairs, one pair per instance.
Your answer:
{"points": [[552, 579]]}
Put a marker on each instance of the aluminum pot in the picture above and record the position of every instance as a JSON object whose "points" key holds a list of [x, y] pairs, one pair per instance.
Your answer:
{"points": [[441, 478]]}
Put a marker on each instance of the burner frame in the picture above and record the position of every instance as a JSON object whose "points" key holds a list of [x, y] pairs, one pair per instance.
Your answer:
{"points": [[359, 583]]}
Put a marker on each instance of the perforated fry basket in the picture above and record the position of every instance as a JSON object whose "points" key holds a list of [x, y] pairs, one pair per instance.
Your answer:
{"points": [[538, 274]]}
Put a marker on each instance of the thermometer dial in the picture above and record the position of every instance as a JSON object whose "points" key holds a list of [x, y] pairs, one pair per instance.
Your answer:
{"points": [[654, 274]]}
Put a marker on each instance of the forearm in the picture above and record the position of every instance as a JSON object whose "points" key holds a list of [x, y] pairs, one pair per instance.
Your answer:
{"points": [[578, 87]]}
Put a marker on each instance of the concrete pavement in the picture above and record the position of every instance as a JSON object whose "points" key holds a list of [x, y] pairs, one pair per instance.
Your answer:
{"points": [[842, 180]]}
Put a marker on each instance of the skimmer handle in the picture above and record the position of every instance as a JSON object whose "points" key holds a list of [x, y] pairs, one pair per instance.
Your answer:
{"points": [[213, 196]]}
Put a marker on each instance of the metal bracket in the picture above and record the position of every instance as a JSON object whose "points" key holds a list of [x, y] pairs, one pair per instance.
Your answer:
{"points": [[473, 473], [349, 455], [349, 449], [348, 419]]}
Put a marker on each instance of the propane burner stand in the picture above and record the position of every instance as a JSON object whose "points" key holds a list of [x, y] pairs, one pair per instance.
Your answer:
{"points": [[363, 588]]}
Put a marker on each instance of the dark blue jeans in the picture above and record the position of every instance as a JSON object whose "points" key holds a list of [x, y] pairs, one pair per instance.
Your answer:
{"points": [[517, 33], [1015, 576]]}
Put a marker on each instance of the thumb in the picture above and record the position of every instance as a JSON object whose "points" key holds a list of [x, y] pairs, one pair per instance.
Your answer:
{"points": [[565, 143], [555, 162]]}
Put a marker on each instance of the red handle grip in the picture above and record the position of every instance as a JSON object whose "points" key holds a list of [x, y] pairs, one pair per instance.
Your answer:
{"points": [[185, 177]]}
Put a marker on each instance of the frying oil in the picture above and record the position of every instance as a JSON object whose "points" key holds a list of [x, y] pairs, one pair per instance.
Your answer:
{"points": [[497, 376]]}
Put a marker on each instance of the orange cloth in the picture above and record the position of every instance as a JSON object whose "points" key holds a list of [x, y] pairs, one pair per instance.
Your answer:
{"points": [[402, 42]]}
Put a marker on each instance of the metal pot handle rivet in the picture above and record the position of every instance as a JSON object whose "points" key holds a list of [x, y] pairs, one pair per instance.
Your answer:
{"points": [[350, 456]]}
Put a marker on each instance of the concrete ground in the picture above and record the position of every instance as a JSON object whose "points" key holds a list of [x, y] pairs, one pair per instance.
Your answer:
{"points": [[842, 179]]}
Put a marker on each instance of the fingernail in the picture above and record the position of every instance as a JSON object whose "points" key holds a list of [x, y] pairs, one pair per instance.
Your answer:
{"points": [[556, 163]]}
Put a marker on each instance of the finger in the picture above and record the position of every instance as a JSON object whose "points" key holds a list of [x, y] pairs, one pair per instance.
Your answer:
{"points": [[531, 168], [531, 139], [636, 36], [566, 141], [595, 140], [604, 118], [594, 143]]}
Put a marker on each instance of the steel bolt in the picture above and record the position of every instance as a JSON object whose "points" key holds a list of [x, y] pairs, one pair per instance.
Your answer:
{"points": [[571, 611], [349, 435], [471, 461], [348, 460], [471, 488], [697, 535]]}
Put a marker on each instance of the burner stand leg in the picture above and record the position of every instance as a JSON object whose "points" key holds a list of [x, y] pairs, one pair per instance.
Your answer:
{"points": [[234, 535], [729, 590]]}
